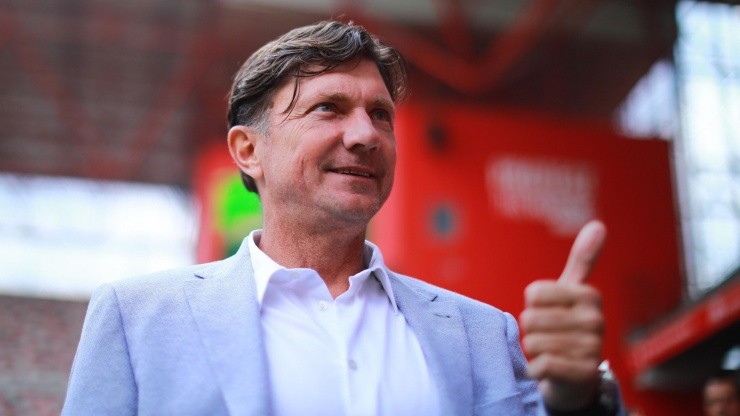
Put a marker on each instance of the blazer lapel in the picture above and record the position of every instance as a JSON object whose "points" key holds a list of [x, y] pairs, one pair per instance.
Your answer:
{"points": [[439, 328], [226, 312]]}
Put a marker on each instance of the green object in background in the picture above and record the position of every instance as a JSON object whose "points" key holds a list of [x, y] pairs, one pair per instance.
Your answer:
{"points": [[237, 212]]}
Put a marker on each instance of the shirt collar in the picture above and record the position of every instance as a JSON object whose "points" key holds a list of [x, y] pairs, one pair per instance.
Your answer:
{"points": [[265, 267]]}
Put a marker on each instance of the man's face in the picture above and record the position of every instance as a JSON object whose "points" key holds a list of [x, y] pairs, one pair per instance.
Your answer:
{"points": [[332, 158], [721, 399]]}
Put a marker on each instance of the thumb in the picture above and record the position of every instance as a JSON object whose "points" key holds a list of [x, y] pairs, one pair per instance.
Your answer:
{"points": [[584, 253]]}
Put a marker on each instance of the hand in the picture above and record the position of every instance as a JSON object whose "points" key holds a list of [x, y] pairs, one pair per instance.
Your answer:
{"points": [[562, 326]]}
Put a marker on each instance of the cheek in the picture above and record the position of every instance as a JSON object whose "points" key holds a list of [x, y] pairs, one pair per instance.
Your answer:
{"points": [[391, 157], [390, 169], [392, 166], [290, 147]]}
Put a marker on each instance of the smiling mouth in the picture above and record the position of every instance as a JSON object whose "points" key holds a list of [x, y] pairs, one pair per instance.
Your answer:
{"points": [[352, 172]]}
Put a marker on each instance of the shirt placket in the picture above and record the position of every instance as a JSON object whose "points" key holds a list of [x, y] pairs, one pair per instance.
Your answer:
{"points": [[327, 314]]}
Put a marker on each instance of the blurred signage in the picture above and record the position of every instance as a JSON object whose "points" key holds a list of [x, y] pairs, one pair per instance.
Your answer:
{"points": [[558, 193]]}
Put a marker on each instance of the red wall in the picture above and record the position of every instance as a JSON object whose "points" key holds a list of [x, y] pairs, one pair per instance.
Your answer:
{"points": [[487, 200]]}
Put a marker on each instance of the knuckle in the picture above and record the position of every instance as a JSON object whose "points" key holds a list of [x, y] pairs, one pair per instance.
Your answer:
{"points": [[537, 289], [592, 345], [546, 363], [532, 290], [591, 295], [527, 320], [526, 346], [534, 368], [529, 343], [593, 320]]}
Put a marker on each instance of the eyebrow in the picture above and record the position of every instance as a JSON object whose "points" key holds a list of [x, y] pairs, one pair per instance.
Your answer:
{"points": [[338, 97]]}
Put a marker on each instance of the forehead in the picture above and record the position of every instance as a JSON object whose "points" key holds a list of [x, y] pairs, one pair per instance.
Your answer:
{"points": [[354, 78]]}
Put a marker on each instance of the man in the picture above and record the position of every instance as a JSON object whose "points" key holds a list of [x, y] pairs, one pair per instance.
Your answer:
{"points": [[306, 319], [721, 395]]}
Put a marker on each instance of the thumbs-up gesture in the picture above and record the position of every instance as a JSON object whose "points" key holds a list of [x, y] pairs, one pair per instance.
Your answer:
{"points": [[562, 326]]}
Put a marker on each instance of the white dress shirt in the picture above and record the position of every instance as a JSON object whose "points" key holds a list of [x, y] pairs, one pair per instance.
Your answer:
{"points": [[353, 355]]}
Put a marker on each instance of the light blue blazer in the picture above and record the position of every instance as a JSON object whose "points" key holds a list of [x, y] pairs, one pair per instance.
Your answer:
{"points": [[189, 342]]}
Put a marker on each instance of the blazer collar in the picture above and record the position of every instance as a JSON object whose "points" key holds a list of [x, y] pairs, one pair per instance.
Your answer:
{"points": [[438, 326], [226, 312], [225, 309]]}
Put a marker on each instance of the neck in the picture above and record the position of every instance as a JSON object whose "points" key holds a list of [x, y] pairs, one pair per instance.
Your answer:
{"points": [[335, 253]]}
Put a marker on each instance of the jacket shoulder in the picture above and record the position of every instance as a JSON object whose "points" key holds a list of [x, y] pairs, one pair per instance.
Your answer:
{"points": [[161, 290], [465, 303], [176, 277]]}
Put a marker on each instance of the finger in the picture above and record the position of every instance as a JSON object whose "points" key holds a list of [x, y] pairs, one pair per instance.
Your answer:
{"points": [[584, 253], [546, 293], [563, 369], [584, 318], [574, 345]]}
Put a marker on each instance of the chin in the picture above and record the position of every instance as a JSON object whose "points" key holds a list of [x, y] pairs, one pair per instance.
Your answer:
{"points": [[356, 212]]}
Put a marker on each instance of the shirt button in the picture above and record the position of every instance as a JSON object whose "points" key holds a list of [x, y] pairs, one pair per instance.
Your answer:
{"points": [[352, 365], [323, 305]]}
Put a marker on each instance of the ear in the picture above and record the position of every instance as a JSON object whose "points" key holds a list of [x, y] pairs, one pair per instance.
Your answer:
{"points": [[242, 142]]}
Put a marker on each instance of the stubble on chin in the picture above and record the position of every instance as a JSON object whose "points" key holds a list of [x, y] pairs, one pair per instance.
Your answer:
{"points": [[357, 214]]}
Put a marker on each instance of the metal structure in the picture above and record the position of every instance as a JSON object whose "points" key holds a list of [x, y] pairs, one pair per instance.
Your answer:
{"points": [[100, 89]]}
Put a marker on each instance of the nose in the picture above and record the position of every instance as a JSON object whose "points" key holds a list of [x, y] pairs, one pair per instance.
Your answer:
{"points": [[360, 132]]}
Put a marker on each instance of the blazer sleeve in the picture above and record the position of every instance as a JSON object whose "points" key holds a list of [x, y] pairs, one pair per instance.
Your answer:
{"points": [[530, 395], [102, 380]]}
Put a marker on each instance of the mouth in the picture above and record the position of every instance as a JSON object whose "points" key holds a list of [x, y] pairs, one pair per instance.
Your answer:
{"points": [[353, 172]]}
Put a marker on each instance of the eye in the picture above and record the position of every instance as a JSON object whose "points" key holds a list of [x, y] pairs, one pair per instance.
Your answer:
{"points": [[325, 107], [382, 115]]}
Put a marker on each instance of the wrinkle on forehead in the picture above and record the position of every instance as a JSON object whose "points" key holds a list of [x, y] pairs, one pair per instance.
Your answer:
{"points": [[313, 71]]}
